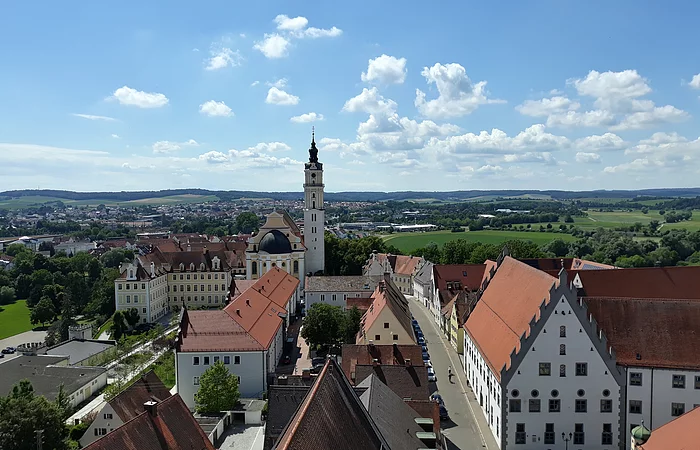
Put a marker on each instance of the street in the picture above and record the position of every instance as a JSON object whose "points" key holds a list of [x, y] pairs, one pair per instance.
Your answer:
{"points": [[467, 429]]}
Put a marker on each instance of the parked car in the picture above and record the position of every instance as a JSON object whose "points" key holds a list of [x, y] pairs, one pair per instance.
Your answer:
{"points": [[431, 374], [437, 398], [426, 356], [444, 415], [427, 363], [425, 348], [419, 333], [415, 323], [8, 350], [421, 340]]}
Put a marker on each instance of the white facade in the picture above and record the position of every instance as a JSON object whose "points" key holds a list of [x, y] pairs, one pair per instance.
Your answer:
{"points": [[85, 392], [334, 298], [658, 396], [563, 365], [314, 213], [149, 296], [74, 247], [105, 422]]}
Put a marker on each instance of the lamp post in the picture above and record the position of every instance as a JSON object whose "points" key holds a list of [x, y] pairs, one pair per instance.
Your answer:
{"points": [[566, 439]]}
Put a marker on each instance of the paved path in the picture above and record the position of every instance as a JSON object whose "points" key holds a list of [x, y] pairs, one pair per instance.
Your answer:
{"points": [[467, 429], [243, 437], [22, 338]]}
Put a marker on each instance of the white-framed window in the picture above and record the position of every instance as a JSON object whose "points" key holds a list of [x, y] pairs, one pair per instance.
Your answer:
{"points": [[195, 360], [195, 381], [227, 360], [236, 359]]}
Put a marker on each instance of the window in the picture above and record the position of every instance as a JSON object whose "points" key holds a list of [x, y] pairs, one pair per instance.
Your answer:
{"points": [[254, 268], [195, 381], [100, 431], [144, 310], [386, 324], [216, 359], [236, 359], [295, 266], [520, 436], [514, 405], [108, 416], [581, 369], [579, 436], [333, 297], [189, 288], [606, 438], [562, 349], [534, 405], [677, 409], [635, 407], [606, 406], [554, 405], [128, 298], [545, 369], [376, 337], [323, 297], [562, 370], [188, 276], [143, 285], [396, 337], [195, 360], [679, 381], [195, 288], [697, 382], [227, 360], [635, 379], [581, 405], [562, 331], [209, 287], [206, 360], [549, 436]]}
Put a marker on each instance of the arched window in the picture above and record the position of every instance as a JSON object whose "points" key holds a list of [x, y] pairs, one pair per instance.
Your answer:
{"points": [[562, 370], [562, 331], [191, 267], [296, 267], [562, 349], [254, 268], [202, 267], [313, 205], [182, 267], [313, 195]]}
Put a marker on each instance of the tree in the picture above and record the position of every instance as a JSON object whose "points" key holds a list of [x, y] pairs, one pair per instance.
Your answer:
{"points": [[131, 316], [15, 249], [22, 413], [352, 324], [118, 325], [7, 295], [43, 312], [218, 390], [324, 325], [247, 222], [114, 257]]}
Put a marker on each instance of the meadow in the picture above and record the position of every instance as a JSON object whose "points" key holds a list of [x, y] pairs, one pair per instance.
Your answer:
{"points": [[14, 319], [407, 242]]}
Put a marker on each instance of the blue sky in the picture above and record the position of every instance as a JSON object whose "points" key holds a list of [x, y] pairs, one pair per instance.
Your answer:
{"points": [[443, 96]]}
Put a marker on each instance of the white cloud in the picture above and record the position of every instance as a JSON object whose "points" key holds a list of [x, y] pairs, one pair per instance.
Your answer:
{"points": [[131, 97], [279, 84], [489, 169], [273, 46], [285, 23], [270, 147], [587, 158], [214, 157], [254, 83], [92, 117], [695, 82], [656, 115], [594, 118], [610, 88], [277, 96], [547, 106], [534, 138], [253, 159], [607, 141], [370, 101], [457, 96], [171, 147], [213, 108], [315, 33], [222, 57], [115, 136], [530, 157], [307, 118], [385, 69]]}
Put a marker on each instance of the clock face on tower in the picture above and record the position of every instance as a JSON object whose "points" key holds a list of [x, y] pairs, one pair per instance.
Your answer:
{"points": [[313, 175]]}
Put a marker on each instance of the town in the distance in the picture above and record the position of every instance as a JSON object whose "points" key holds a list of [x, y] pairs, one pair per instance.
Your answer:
{"points": [[501, 321]]}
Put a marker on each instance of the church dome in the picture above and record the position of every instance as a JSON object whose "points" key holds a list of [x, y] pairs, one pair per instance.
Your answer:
{"points": [[275, 243]]}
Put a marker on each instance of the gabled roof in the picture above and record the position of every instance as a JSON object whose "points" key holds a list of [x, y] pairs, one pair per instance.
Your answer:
{"points": [[331, 417], [388, 296], [408, 382], [341, 283], [213, 331], [171, 427], [406, 264], [679, 434], [129, 403], [385, 354], [393, 417], [469, 275], [502, 315], [647, 282], [425, 274], [283, 402]]}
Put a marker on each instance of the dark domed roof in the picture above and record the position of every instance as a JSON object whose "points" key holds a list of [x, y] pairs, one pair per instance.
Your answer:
{"points": [[275, 243]]}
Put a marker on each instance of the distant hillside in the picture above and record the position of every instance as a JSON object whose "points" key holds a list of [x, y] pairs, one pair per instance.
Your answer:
{"points": [[125, 196]]}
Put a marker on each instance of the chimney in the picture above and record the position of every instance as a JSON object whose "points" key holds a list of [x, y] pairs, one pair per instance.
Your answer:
{"points": [[407, 361], [371, 343], [238, 311], [282, 380], [153, 269], [375, 362], [151, 407], [189, 248]]}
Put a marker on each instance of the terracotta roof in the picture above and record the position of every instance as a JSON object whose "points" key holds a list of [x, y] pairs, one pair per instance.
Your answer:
{"points": [[503, 313], [241, 286], [663, 333], [468, 275], [331, 417], [679, 434], [129, 403], [387, 295], [361, 303], [386, 354], [406, 264], [408, 382], [213, 331], [172, 427], [647, 282]]}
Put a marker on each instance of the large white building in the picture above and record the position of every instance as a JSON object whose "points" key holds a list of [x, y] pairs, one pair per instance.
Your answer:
{"points": [[247, 336], [539, 366]]}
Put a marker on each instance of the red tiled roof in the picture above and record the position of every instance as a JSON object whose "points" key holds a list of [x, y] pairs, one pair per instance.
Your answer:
{"points": [[469, 275], [679, 434], [664, 333], [241, 286], [502, 315], [387, 295], [171, 428], [361, 303], [647, 282], [406, 381], [129, 403], [213, 331], [406, 264], [386, 354]]}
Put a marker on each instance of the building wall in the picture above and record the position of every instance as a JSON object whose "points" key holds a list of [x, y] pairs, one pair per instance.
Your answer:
{"points": [[258, 264], [85, 391], [333, 298], [456, 330], [386, 333], [198, 288], [105, 421], [251, 370], [485, 386], [657, 393], [403, 282], [314, 218]]}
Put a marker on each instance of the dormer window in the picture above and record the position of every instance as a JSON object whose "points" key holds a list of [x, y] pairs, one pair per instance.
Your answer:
{"points": [[202, 267], [182, 267], [191, 267]]}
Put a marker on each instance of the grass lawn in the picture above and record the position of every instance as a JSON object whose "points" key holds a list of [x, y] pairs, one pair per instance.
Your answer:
{"points": [[14, 319], [407, 242]]}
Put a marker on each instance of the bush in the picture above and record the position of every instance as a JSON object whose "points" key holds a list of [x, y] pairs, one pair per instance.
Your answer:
{"points": [[7, 295], [77, 431]]}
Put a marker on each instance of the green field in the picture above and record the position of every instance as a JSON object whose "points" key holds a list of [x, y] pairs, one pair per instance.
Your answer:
{"points": [[407, 242], [14, 319], [36, 200]]}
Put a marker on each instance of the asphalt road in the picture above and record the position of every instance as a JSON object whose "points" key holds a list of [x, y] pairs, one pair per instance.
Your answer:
{"points": [[462, 431]]}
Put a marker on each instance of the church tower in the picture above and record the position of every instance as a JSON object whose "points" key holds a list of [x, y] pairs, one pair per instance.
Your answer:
{"points": [[314, 212]]}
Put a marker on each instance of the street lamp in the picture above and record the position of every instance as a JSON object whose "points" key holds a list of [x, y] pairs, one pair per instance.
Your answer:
{"points": [[566, 439]]}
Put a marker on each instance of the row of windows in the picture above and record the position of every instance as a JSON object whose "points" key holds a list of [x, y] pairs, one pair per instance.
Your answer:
{"points": [[197, 299], [677, 409], [677, 381], [254, 266], [378, 337], [546, 369], [554, 405], [196, 276], [200, 286], [127, 286], [579, 436], [206, 360]]}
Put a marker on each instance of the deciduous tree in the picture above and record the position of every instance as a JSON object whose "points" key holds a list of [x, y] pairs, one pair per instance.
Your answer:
{"points": [[218, 390]]}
